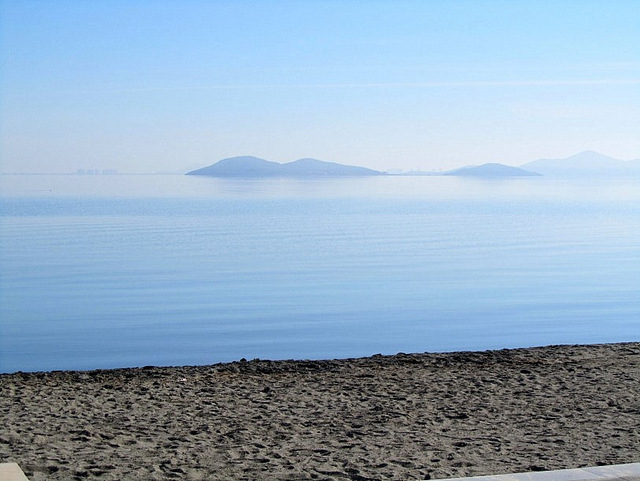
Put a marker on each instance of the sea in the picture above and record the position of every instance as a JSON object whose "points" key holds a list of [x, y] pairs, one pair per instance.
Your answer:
{"points": [[109, 271]]}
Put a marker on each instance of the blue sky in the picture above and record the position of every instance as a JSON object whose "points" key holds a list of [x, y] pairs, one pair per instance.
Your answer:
{"points": [[144, 86]]}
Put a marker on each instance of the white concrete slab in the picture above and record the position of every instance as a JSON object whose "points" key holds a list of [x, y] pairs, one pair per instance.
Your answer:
{"points": [[618, 472], [11, 472]]}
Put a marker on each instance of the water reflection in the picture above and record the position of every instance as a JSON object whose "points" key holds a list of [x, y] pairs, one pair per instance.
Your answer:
{"points": [[388, 187]]}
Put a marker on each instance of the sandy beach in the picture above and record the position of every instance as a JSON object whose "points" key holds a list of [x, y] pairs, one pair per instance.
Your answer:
{"points": [[402, 417]]}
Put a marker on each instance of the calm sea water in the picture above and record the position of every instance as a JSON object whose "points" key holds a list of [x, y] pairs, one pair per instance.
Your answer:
{"points": [[113, 271]]}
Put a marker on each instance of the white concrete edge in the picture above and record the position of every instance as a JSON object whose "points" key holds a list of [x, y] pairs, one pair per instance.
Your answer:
{"points": [[629, 471], [11, 472]]}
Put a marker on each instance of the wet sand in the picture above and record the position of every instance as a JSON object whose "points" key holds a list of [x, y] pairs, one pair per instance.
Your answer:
{"points": [[401, 417]]}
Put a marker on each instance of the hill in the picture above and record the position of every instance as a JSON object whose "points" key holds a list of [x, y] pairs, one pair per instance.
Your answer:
{"points": [[588, 163], [491, 170], [314, 167], [244, 166], [254, 167]]}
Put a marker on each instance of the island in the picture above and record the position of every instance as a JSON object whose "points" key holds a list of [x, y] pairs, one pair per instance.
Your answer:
{"points": [[491, 170], [255, 167]]}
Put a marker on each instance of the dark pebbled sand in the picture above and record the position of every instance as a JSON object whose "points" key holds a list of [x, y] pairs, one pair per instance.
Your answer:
{"points": [[400, 417]]}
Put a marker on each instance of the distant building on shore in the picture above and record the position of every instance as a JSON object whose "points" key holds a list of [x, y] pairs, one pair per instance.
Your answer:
{"points": [[97, 171]]}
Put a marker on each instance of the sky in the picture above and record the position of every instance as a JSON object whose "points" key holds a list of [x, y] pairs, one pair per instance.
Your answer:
{"points": [[168, 85]]}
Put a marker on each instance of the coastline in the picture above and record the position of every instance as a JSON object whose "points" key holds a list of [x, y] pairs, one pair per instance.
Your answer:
{"points": [[406, 416]]}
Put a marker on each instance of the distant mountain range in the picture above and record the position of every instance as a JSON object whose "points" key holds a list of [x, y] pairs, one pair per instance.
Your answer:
{"points": [[491, 170], [584, 164], [254, 167], [588, 163]]}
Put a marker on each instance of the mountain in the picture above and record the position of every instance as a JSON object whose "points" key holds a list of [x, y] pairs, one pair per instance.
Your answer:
{"points": [[314, 168], [585, 164], [245, 166], [491, 170], [254, 167]]}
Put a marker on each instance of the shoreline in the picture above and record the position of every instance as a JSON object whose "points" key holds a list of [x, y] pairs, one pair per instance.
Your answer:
{"points": [[258, 364], [403, 416]]}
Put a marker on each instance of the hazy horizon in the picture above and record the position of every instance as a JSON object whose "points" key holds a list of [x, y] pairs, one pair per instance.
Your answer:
{"points": [[169, 86]]}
